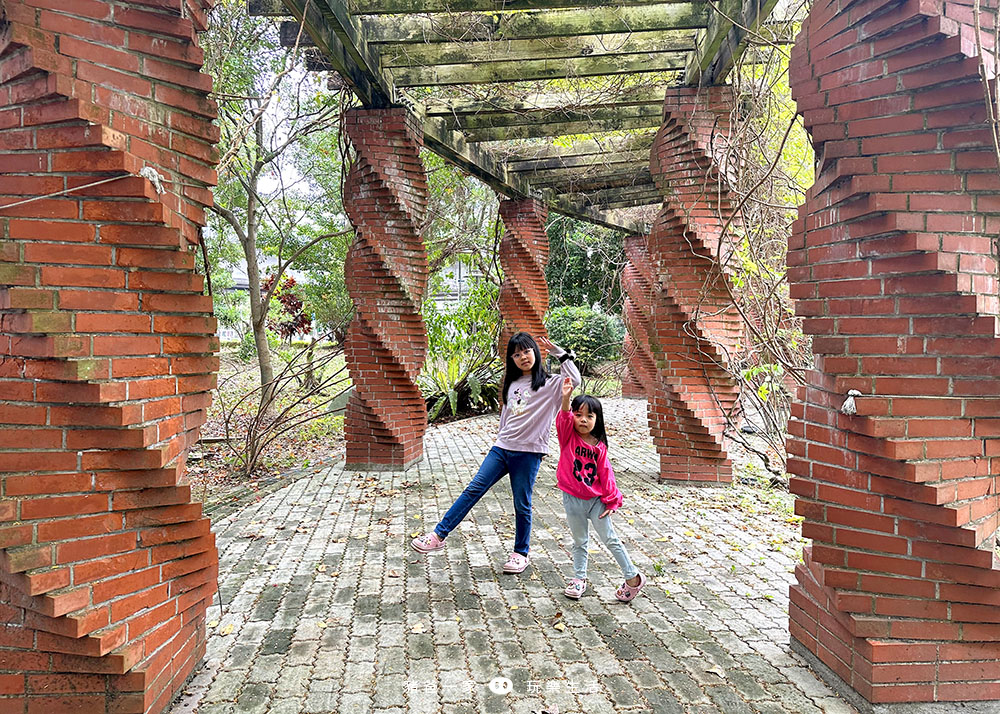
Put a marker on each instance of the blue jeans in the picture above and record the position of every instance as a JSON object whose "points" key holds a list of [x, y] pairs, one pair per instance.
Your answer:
{"points": [[522, 467], [580, 514]]}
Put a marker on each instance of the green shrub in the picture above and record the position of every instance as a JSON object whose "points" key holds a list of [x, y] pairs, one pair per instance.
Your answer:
{"points": [[248, 348], [595, 336]]}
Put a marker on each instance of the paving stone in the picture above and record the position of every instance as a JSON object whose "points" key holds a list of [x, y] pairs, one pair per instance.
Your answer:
{"points": [[383, 629]]}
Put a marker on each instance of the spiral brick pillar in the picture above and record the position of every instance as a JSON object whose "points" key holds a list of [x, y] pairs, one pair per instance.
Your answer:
{"points": [[524, 253], [385, 196], [894, 266], [696, 326], [106, 354], [639, 379]]}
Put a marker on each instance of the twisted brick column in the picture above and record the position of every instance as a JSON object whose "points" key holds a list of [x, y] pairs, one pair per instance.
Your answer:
{"points": [[524, 252], [894, 265], [696, 327], [385, 196], [639, 380], [106, 355]]}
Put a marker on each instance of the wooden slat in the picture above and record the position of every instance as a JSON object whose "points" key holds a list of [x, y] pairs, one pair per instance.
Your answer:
{"points": [[638, 141], [266, 8], [600, 198], [573, 164], [526, 25], [628, 175], [528, 70], [725, 39], [642, 118], [650, 200], [604, 97], [551, 116], [419, 55], [402, 7], [338, 37]]}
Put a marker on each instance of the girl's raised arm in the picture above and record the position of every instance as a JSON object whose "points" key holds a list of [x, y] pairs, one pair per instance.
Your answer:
{"points": [[567, 391], [568, 368]]}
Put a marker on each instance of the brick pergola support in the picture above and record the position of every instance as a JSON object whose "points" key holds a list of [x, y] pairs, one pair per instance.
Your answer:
{"points": [[385, 196], [106, 355], [893, 263], [696, 327], [524, 253], [639, 379]]}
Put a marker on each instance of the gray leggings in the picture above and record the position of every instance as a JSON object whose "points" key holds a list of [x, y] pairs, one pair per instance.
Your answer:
{"points": [[580, 514]]}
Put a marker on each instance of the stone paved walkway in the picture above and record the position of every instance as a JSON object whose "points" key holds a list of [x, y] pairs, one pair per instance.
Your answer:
{"points": [[327, 609]]}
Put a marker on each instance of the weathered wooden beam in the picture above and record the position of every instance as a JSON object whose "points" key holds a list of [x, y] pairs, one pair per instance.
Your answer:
{"points": [[638, 141], [639, 118], [552, 116], [601, 198], [725, 39], [446, 108], [266, 8], [575, 164], [528, 70], [650, 200], [288, 35], [628, 175], [339, 38], [403, 7], [526, 25], [419, 55]]}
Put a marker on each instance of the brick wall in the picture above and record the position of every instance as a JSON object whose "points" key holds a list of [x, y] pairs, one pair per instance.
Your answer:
{"points": [[894, 267], [639, 379], [696, 327], [106, 355], [385, 196], [524, 253]]}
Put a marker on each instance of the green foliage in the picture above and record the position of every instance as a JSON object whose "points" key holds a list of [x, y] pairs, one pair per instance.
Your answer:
{"points": [[595, 336], [247, 351], [585, 264], [462, 370]]}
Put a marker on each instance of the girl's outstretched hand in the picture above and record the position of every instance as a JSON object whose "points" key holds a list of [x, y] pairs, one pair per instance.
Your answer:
{"points": [[544, 344], [607, 511], [567, 387]]}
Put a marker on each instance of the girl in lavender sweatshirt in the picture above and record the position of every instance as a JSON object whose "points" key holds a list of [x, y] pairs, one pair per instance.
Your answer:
{"points": [[531, 397]]}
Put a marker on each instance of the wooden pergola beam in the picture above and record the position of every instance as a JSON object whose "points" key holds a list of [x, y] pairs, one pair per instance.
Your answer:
{"points": [[468, 122], [624, 175], [402, 7], [602, 97], [725, 39], [619, 122], [526, 25], [637, 195], [429, 55], [337, 35], [528, 70], [576, 164]]}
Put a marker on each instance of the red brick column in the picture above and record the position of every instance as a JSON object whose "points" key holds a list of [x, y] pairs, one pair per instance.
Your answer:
{"points": [[894, 266], [639, 379], [696, 328], [106, 355], [385, 196], [524, 252]]}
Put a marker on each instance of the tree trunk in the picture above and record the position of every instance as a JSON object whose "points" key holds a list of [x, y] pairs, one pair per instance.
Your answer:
{"points": [[258, 311]]}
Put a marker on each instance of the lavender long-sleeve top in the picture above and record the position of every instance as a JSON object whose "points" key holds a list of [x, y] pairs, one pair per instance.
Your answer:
{"points": [[526, 417]]}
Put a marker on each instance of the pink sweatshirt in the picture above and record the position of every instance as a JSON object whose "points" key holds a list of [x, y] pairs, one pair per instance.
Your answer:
{"points": [[583, 469]]}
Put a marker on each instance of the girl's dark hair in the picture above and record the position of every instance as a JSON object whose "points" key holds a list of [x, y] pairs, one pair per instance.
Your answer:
{"points": [[518, 342], [593, 405]]}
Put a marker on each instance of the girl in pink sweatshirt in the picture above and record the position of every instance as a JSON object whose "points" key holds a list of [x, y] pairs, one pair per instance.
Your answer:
{"points": [[590, 493]]}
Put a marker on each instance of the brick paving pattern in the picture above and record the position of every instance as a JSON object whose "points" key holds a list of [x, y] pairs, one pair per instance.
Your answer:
{"points": [[327, 609]]}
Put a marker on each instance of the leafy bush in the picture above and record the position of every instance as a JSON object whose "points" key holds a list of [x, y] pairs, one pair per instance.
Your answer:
{"points": [[462, 370], [595, 336], [248, 348]]}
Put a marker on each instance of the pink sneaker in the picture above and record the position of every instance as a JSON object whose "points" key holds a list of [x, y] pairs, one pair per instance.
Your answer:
{"points": [[516, 563], [627, 593], [576, 588], [427, 543]]}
